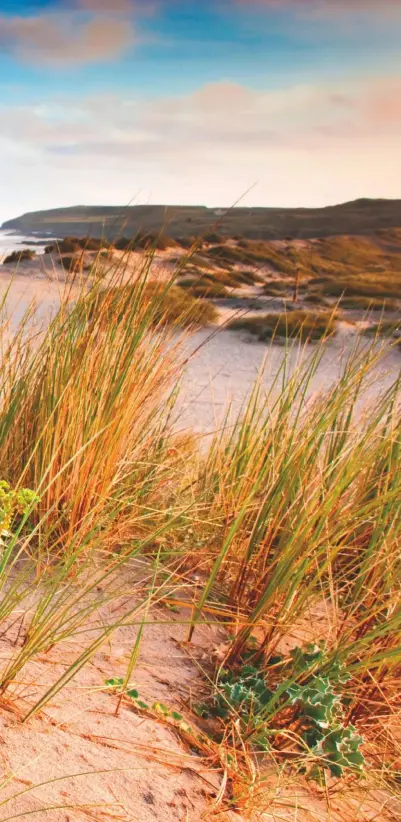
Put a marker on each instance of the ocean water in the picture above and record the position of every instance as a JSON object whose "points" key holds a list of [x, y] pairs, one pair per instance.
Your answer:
{"points": [[10, 241]]}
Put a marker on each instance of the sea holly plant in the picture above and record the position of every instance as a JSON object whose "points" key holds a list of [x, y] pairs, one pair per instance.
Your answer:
{"points": [[320, 709], [310, 685], [244, 695]]}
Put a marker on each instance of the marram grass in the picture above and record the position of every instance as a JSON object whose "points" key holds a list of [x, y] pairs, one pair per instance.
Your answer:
{"points": [[295, 508]]}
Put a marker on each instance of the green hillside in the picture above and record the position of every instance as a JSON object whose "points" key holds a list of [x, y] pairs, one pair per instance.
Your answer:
{"points": [[358, 217]]}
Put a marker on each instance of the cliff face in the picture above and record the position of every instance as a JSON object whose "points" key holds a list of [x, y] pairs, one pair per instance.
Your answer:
{"points": [[358, 217]]}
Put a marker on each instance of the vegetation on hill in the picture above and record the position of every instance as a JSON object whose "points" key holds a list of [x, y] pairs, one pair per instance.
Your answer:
{"points": [[140, 241], [358, 217]]}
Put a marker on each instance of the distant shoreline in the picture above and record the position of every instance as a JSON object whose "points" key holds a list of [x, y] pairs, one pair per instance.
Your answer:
{"points": [[18, 240], [362, 216]]}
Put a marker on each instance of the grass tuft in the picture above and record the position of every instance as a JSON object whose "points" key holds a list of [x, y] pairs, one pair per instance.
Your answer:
{"points": [[305, 325]]}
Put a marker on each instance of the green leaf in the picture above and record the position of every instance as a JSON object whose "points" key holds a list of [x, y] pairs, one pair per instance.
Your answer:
{"points": [[160, 708], [115, 682]]}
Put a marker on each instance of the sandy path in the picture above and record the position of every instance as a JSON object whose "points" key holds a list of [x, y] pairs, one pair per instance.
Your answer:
{"points": [[226, 364]]}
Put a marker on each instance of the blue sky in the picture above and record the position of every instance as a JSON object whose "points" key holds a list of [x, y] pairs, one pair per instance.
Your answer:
{"points": [[281, 102]]}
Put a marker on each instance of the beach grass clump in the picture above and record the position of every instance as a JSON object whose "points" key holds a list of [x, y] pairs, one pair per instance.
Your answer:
{"points": [[384, 328], [338, 262], [278, 288], [216, 281], [86, 424], [362, 254], [60, 412], [316, 297], [70, 262], [298, 555], [204, 287], [210, 291], [361, 303], [247, 277], [71, 245], [300, 324], [169, 305], [213, 238], [145, 241], [383, 286], [227, 255], [25, 255]]}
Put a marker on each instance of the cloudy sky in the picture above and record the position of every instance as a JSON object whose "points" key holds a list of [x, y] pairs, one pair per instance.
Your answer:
{"points": [[278, 102]]}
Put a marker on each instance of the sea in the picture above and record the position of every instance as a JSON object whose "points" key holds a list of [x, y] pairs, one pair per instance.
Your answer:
{"points": [[13, 241]]}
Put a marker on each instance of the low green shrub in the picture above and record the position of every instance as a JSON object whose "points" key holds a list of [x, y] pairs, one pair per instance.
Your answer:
{"points": [[70, 245], [246, 277], [145, 241], [302, 324], [184, 242], [278, 288], [370, 303], [161, 242], [20, 256], [231, 279], [186, 282], [223, 255], [385, 328], [209, 289], [316, 298], [169, 306], [380, 287], [213, 238], [71, 262], [189, 242]]}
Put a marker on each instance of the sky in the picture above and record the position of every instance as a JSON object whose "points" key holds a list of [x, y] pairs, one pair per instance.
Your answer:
{"points": [[210, 102]]}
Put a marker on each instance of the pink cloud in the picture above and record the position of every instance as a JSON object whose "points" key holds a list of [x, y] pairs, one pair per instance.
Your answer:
{"points": [[217, 118], [63, 39], [382, 104]]}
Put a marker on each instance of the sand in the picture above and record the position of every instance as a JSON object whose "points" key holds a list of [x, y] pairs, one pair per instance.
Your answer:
{"points": [[80, 760], [76, 761]]}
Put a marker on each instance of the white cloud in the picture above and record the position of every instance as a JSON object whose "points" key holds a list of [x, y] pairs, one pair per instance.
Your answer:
{"points": [[306, 145]]}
